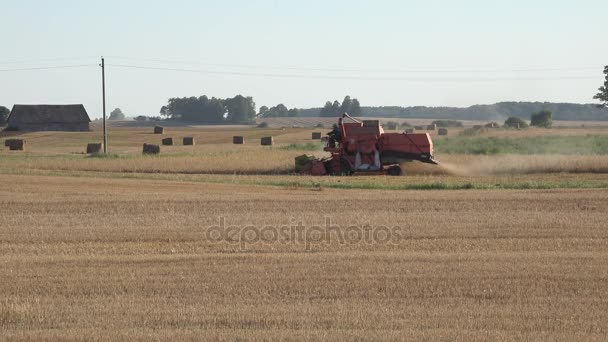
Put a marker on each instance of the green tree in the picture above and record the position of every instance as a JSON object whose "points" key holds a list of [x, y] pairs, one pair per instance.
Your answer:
{"points": [[355, 109], [263, 110], [602, 95], [117, 114], [240, 109], [335, 108], [326, 111], [346, 105], [542, 119], [201, 110], [279, 111], [4, 113], [515, 122]]}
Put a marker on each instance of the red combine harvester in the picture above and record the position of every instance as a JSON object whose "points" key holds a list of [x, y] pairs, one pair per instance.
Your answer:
{"points": [[363, 147]]}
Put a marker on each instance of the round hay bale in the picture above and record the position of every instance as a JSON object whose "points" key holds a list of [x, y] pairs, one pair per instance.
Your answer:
{"points": [[477, 127], [419, 128], [409, 130], [94, 148], [151, 149], [15, 144], [443, 131], [159, 130], [267, 141], [238, 140], [431, 127], [188, 141], [167, 141], [316, 136]]}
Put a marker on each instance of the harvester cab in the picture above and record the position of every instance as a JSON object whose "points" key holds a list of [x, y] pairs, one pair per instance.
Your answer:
{"points": [[363, 147]]}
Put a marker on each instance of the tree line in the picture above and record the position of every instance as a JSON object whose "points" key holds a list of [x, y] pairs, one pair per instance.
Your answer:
{"points": [[348, 105], [242, 109], [205, 110]]}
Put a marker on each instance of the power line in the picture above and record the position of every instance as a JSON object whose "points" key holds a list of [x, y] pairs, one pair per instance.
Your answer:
{"points": [[49, 67], [325, 69], [37, 60], [355, 78]]}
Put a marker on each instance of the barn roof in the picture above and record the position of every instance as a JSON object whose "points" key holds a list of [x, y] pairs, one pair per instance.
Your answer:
{"points": [[48, 114]]}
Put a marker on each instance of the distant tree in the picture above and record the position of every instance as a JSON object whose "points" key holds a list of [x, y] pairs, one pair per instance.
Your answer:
{"points": [[355, 109], [117, 114], [542, 119], [263, 110], [327, 110], [335, 108], [240, 109], [164, 111], [141, 118], [201, 110], [602, 95], [4, 112], [515, 122], [279, 111], [348, 105]]}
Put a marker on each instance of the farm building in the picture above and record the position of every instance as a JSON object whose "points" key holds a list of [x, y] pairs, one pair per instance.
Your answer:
{"points": [[72, 118]]}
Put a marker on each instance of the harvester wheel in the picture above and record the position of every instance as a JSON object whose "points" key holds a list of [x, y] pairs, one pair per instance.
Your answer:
{"points": [[395, 170], [345, 169]]}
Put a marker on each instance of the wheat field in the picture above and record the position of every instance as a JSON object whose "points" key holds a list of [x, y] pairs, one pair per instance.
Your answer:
{"points": [[223, 242], [91, 259]]}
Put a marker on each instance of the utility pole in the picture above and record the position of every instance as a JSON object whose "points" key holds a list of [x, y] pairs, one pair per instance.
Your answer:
{"points": [[103, 97]]}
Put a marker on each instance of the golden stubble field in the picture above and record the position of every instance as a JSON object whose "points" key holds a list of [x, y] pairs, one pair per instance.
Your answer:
{"points": [[214, 153], [196, 244], [96, 258]]}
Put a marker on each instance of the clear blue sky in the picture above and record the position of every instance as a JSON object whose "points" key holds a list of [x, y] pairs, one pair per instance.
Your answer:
{"points": [[303, 53]]}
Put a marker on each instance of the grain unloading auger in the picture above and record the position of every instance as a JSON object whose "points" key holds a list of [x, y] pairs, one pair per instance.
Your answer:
{"points": [[363, 147]]}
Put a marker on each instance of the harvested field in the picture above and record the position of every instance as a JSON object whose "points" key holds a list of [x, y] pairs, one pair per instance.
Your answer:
{"points": [[126, 247], [257, 160], [133, 259]]}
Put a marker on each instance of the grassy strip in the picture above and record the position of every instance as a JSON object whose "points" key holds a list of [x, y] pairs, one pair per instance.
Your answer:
{"points": [[449, 186], [588, 145], [325, 182]]}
